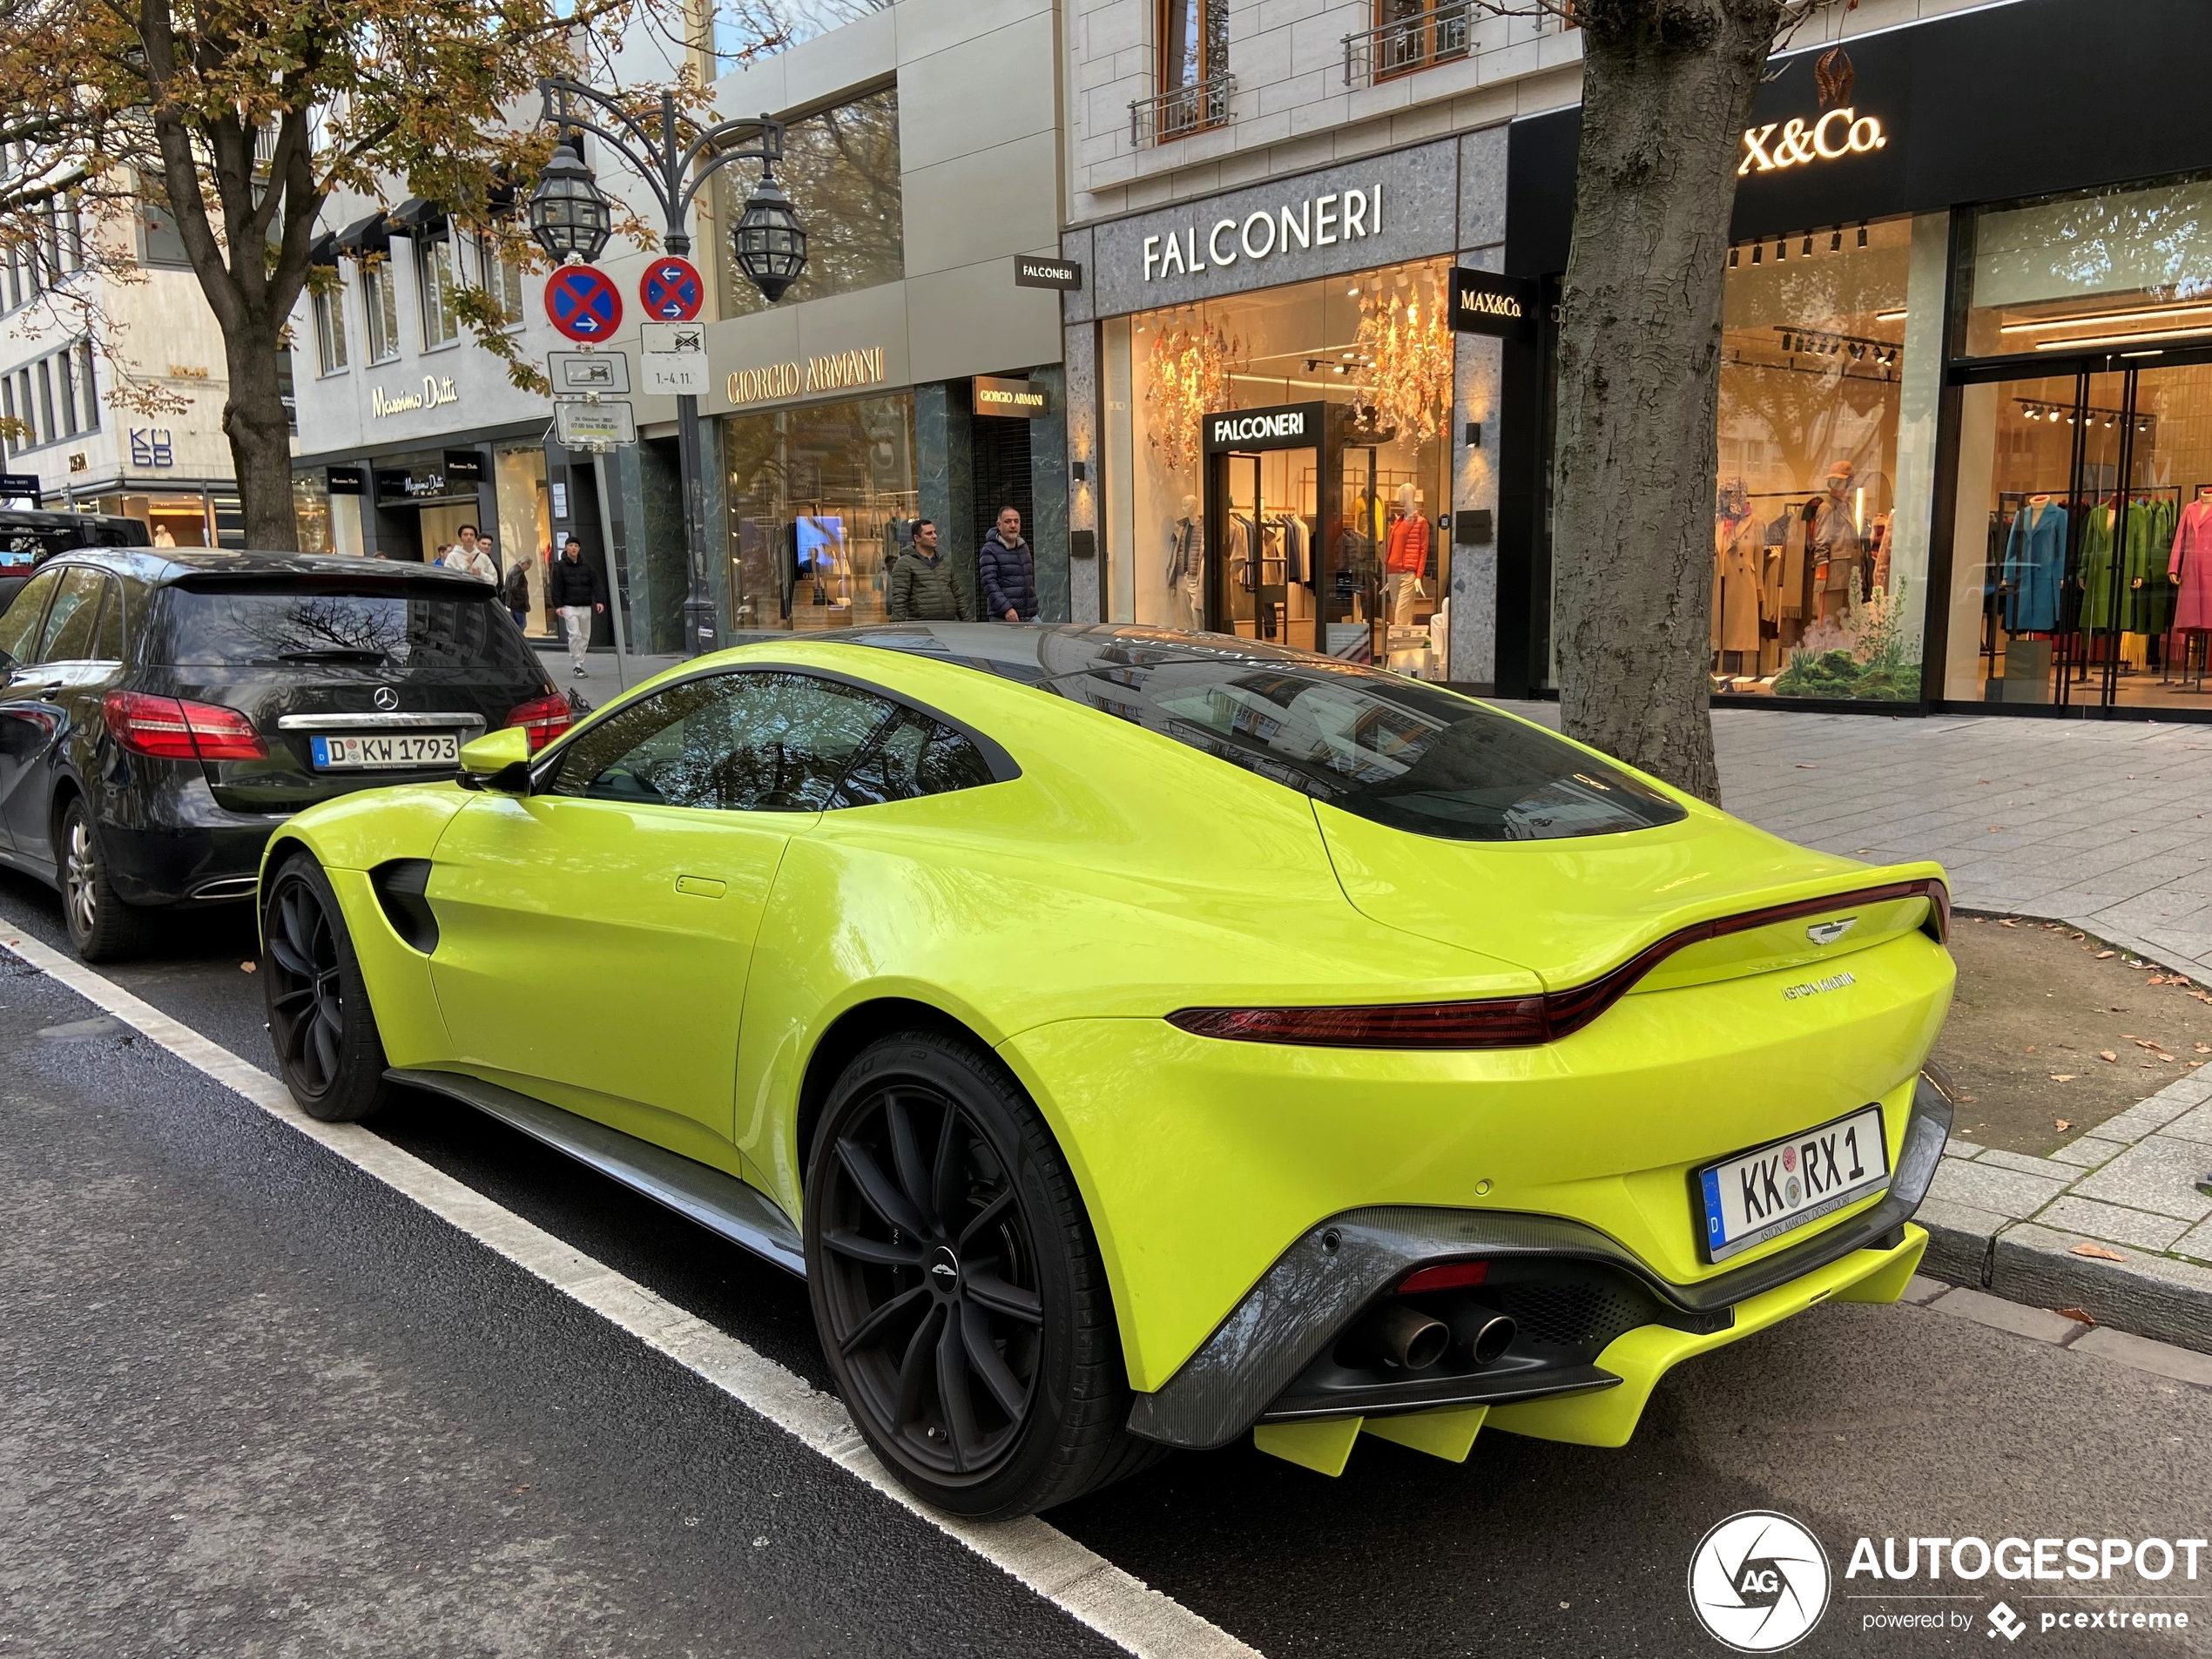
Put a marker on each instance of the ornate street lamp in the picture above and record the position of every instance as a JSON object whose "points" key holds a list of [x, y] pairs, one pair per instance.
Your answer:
{"points": [[568, 214], [767, 243]]}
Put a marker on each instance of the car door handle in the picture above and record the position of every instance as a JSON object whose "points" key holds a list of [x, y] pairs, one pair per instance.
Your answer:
{"points": [[701, 887]]}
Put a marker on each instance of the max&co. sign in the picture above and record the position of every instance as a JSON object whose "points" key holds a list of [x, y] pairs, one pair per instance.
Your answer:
{"points": [[1483, 302], [1798, 143]]}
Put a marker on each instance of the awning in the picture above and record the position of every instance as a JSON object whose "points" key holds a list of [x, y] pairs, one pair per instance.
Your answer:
{"points": [[423, 220], [323, 250], [366, 237]]}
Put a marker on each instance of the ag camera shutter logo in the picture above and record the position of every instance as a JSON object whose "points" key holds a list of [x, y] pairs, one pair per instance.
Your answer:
{"points": [[1759, 1582]]}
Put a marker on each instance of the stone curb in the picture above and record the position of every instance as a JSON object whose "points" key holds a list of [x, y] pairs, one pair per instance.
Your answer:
{"points": [[2118, 1224]]}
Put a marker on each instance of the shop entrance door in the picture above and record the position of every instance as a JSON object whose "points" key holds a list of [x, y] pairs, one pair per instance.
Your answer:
{"points": [[1271, 507], [2093, 598]]}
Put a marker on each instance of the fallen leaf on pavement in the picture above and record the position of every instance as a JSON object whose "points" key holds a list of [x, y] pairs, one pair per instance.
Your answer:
{"points": [[1806, 765], [2064, 1123], [246, 968], [2100, 1252], [2007, 921], [2168, 1058], [2142, 1042], [2074, 1314], [2107, 1054], [2101, 954], [2063, 1076], [2031, 1048], [2204, 1047]]}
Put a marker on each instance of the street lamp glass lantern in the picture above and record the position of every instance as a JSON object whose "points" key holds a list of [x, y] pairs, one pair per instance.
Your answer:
{"points": [[569, 215], [768, 242]]}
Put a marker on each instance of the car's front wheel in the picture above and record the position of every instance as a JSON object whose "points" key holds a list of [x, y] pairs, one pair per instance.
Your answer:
{"points": [[958, 1288], [328, 1051], [102, 926]]}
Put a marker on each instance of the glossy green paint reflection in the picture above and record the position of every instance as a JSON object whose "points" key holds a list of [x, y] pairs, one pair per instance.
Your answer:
{"points": [[589, 956]]}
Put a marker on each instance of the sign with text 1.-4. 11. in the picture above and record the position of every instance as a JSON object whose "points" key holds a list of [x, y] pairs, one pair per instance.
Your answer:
{"points": [[673, 359]]}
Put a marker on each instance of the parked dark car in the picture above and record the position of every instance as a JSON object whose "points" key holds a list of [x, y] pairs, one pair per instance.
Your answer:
{"points": [[29, 538], [163, 712]]}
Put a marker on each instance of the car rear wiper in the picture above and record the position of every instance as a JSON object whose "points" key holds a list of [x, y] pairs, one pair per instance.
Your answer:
{"points": [[333, 654]]}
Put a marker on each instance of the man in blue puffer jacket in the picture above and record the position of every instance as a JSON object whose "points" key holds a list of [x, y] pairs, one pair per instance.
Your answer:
{"points": [[1006, 571]]}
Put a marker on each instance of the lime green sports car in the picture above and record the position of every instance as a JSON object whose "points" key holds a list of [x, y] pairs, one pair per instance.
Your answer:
{"points": [[1139, 1039]]}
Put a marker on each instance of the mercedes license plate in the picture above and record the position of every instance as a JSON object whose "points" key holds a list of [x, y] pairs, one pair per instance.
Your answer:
{"points": [[1759, 1195], [366, 752]]}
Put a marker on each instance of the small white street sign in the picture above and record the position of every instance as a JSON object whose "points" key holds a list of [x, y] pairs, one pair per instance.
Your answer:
{"points": [[674, 357], [581, 426], [586, 374]]}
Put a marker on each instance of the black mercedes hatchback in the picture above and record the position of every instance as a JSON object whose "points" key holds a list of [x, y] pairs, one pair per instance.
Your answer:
{"points": [[163, 712]]}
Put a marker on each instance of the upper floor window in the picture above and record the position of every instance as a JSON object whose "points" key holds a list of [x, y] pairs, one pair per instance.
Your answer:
{"points": [[1193, 86], [503, 276], [1410, 35], [840, 168], [435, 281], [329, 305], [164, 244], [744, 29], [380, 310]]}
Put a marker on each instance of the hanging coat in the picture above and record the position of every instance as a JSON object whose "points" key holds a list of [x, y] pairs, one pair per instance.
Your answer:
{"points": [[2148, 601], [2035, 562], [2191, 560], [1738, 551], [2098, 611]]}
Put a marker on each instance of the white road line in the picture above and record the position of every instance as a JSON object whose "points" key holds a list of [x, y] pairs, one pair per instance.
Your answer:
{"points": [[1084, 1583]]}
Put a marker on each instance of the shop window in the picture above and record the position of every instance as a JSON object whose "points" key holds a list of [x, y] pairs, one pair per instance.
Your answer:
{"points": [[436, 280], [311, 511], [819, 500], [1830, 363], [330, 329], [840, 168], [1194, 86], [379, 309], [1339, 547], [2081, 550]]}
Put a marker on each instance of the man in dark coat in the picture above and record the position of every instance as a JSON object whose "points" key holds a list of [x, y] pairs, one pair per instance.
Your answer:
{"points": [[922, 587], [1006, 571], [576, 589]]}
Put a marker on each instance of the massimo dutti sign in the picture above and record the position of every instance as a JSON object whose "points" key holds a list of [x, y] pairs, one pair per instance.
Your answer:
{"points": [[1483, 302]]}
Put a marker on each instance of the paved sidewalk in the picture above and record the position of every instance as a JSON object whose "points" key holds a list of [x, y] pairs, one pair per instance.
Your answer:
{"points": [[2104, 824], [604, 677]]}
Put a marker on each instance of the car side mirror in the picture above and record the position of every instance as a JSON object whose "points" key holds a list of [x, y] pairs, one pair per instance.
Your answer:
{"points": [[498, 760]]}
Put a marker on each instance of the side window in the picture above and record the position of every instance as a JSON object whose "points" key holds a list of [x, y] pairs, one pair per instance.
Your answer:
{"points": [[68, 634], [759, 741], [914, 755], [107, 644], [20, 624]]}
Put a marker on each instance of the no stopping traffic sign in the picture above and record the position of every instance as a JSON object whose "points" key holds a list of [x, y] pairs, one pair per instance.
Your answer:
{"points": [[671, 291], [583, 303]]}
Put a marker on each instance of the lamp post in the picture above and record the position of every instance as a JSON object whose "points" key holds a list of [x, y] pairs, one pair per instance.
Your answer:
{"points": [[570, 217]]}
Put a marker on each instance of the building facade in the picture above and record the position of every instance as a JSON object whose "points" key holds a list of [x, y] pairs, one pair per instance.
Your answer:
{"points": [[169, 465], [1958, 403], [834, 417]]}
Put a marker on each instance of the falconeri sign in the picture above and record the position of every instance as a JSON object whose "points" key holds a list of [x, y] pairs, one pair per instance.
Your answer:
{"points": [[1319, 221], [1290, 426], [1796, 143]]}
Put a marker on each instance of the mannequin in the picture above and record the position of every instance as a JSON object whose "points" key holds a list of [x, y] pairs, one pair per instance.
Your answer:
{"points": [[1186, 569], [1832, 533], [1407, 555], [2189, 565], [1738, 555]]}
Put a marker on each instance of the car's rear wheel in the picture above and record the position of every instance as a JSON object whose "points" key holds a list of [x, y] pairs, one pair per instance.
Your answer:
{"points": [[958, 1288], [102, 926], [328, 1051]]}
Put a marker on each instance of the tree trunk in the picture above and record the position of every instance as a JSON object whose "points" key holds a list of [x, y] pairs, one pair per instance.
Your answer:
{"points": [[1667, 91], [260, 433]]}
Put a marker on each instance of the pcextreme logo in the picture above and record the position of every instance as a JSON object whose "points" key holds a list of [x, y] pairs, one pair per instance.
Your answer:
{"points": [[1793, 144], [1759, 1582]]}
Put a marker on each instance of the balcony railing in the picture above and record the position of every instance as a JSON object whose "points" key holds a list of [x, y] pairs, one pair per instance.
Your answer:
{"points": [[1182, 110], [1442, 34]]}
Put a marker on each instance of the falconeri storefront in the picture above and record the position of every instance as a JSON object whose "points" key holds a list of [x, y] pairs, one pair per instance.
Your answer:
{"points": [[1282, 418], [1964, 430]]}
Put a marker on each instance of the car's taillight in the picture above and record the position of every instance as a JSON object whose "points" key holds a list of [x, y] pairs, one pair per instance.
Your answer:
{"points": [[1444, 1276], [169, 728], [1504, 1023], [543, 718]]}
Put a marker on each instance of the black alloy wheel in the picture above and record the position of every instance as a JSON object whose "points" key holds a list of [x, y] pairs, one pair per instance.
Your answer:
{"points": [[956, 1286], [934, 1281], [327, 1049]]}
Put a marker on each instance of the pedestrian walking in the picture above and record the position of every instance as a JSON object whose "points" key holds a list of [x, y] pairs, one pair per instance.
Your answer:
{"points": [[1006, 571], [514, 594], [471, 556], [577, 591], [922, 587]]}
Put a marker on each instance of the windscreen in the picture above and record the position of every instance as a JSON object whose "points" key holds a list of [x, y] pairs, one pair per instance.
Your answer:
{"points": [[397, 628], [1385, 747]]}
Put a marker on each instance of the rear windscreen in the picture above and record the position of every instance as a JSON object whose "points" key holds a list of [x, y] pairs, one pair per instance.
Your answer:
{"points": [[397, 629]]}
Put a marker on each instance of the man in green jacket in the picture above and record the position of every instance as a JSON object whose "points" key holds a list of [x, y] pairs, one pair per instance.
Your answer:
{"points": [[922, 587]]}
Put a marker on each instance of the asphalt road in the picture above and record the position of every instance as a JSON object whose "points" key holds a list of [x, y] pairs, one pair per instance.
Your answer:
{"points": [[260, 1404]]}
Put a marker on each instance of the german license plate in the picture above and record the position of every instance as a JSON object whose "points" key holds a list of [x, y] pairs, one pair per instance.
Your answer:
{"points": [[413, 750], [1760, 1195]]}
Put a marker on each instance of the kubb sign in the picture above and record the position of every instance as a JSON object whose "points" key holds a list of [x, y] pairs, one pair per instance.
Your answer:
{"points": [[583, 304]]}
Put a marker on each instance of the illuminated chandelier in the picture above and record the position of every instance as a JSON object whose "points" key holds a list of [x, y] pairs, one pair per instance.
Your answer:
{"points": [[1406, 364], [1187, 379]]}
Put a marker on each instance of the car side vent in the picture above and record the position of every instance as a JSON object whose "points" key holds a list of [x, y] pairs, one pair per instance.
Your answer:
{"points": [[401, 885]]}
